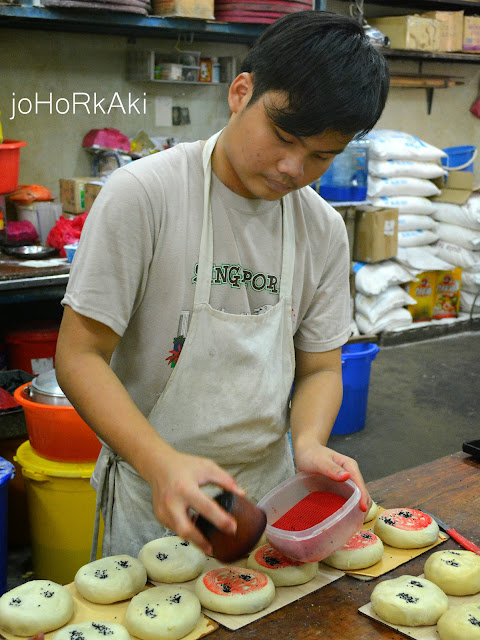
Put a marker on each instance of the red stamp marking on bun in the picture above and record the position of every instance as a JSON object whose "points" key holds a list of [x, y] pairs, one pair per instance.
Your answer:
{"points": [[234, 580], [406, 519], [360, 540], [270, 558]]}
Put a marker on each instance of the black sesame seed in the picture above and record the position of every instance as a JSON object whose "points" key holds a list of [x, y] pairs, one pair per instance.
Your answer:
{"points": [[150, 612], [162, 556], [246, 576], [124, 564], [102, 629], [451, 563], [101, 574], [15, 602], [48, 594], [407, 597], [272, 561], [185, 544], [416, 583], [226, 588], [175, 599]]}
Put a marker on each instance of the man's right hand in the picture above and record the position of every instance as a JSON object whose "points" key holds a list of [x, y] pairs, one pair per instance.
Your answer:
{"points": [[176, 488]]}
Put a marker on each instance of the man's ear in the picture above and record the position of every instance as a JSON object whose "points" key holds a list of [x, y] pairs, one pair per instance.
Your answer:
{"points": [[240, 92]]}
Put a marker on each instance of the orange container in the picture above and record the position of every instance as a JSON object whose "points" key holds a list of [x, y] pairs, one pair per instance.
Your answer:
{"points": [[32, 350], [10, 164], [57, 433]]}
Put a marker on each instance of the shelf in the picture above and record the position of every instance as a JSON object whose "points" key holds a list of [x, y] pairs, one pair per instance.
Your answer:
{"points": [[440, 5], [432, 56], [73, 20]]}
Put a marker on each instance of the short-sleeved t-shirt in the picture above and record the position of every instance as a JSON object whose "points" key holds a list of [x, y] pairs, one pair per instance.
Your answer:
{"points": [[135, 267]]}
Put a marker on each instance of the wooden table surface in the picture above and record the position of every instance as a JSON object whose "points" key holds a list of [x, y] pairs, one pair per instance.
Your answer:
{"points": [[448, 487]]}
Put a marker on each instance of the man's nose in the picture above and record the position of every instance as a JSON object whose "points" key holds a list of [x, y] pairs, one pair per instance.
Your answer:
{"points": [[292, 164]]}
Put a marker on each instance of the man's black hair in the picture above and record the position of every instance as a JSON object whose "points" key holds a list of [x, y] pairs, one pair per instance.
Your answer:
{"points": [[334, 78]]}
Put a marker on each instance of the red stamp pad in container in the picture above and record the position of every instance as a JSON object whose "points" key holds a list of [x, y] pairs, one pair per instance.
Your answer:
{"points": [[310, 516]]}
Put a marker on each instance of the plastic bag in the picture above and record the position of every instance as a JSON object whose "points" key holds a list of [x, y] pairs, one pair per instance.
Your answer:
{"points": [[372, 279], [417, 238], [375, 307], [417, 205], [66, 231], [401, 186]]}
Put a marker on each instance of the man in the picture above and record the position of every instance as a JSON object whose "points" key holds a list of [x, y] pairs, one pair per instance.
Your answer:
{"points": [[224, 252]]}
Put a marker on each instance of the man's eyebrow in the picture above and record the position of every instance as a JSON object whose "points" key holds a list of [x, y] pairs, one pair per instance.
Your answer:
{"points": [[333, 152]]}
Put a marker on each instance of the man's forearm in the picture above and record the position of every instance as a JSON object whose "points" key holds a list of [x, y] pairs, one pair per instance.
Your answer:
{"points": [[315, 403]]}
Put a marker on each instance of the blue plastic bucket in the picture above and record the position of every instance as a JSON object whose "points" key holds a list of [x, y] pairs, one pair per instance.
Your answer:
{"points": [[7, 471], [356, 362], [460, 158]]}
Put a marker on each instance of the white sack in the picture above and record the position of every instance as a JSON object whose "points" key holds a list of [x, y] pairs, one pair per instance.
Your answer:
{"points": [[416, 238], [394, 168], [466, 238], [421, 259], [398, 145], [417, 205], [457, 214], [394, 319], [374, 307], [372, 279], [470, 281], [458, 256], [401, 186], [467, 301], [411, 222]]}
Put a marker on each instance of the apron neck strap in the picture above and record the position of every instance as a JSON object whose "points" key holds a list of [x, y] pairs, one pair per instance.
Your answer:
{"points": [[205, 260]]}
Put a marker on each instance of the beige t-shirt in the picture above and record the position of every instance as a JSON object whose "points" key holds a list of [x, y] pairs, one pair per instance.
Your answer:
{"points": [[135, 267]]}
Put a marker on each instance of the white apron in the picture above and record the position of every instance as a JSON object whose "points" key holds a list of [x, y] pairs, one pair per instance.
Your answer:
{"points": [[226, 399]]}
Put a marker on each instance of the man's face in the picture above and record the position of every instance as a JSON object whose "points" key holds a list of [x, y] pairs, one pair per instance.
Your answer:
{"points": [[260, 160]]}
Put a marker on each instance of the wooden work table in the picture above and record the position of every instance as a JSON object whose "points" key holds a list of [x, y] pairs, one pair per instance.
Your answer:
{"points": [[448, 487]]}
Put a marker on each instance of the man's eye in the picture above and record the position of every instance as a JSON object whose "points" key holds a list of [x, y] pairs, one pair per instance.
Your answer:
{"points": [[281, 137], [317, 157]]}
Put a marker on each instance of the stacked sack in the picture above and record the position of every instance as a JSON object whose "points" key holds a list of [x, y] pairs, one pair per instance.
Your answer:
{"points": [[401, 169], [459, 244], [380, 300]]}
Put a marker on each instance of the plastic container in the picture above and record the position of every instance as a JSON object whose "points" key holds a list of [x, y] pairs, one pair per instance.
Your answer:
{"points": [[10, 164], [7, 471], [32, 350], [61, 506], [70, 250], [57, 433], [356, 365], [346, 178], [321, 540], [460, 158], [43, 216]]}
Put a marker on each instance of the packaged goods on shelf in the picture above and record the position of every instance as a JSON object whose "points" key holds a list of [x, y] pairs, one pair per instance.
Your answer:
{"points": [[375, 307], [450, 29], [412, 222], [392, 168], [457, 255], [203, 9], [391, 144], [401, 185], [417, 205], [462, 236], [470, 281], [447, 294], [469, 302], [92, 189], [399, 318], [410, 32], [471, 33], [422, 290], [417, 238]]}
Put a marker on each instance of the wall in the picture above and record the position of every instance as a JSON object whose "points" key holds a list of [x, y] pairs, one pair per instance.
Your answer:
{"points": [[63, 63]]}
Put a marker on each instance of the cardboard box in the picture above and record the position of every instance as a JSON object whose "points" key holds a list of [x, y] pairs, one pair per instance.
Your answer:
{"points": [[471, 33], [376, 235], [456, 188], [203, 9], [423, 291], [72, 193], [92, 189], [410, 32], [451, 29]]}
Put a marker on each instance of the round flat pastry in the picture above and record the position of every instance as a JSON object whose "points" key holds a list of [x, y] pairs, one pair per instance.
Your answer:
{"points": [[163, 613], [35, 606], [406, 528], [372, 512], [235, 590], [282, 570], [409, 601], [111, 579], [457, 573], [172, 559], [92, 631], [362, 550], [460, 623]]}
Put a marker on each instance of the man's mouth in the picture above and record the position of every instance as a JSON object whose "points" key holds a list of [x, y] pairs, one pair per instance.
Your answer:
{"points": [[280, 187]]}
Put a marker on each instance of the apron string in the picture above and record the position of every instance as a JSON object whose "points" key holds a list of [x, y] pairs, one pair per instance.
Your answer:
{"points": [[105, 493]]}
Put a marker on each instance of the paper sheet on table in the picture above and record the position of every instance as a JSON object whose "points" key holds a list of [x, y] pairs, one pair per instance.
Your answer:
{"points": [[52, 262], [86, 611], [283, 595], [420, 633], [392, 557]]}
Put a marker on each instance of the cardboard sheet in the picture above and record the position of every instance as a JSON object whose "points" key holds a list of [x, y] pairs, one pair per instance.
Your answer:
{"points": [[88, 611], [392, 557], [420, 633], [283, 595]]}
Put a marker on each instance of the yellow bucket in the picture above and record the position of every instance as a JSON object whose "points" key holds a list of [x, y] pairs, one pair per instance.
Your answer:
{"points": [[61, 508]]}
